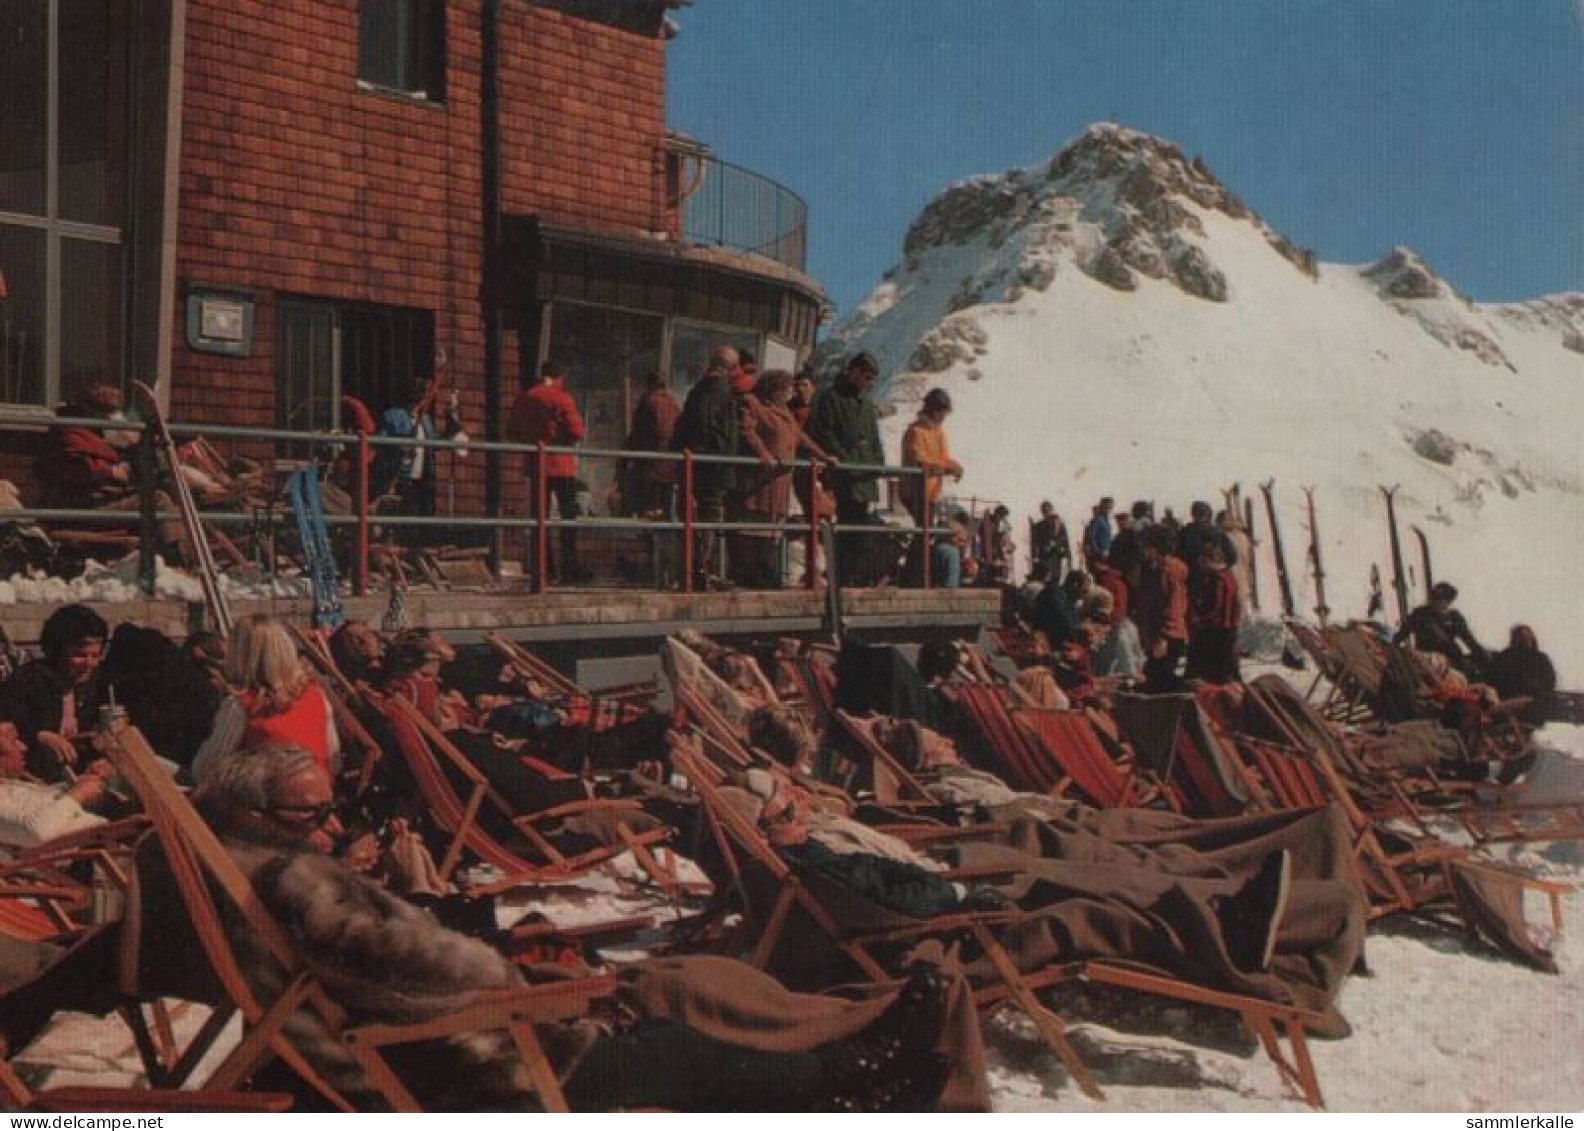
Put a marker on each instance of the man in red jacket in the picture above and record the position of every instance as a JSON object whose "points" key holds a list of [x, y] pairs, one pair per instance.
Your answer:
{"points": [[1160, 609], [545, 413]]}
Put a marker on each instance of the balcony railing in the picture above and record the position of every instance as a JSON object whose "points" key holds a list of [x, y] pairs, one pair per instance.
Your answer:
{"points": [[725, 205]]}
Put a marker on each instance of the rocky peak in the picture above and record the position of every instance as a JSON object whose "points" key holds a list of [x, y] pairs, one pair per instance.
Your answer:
{"points": [[1403, 274], [1124, 205]]}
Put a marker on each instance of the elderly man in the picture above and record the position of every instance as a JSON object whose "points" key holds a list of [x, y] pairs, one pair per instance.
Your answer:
{"points": [[383, 959]]}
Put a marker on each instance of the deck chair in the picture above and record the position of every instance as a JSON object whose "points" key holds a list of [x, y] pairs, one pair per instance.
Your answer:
{"points": [[995, 742], [1069, 739], [815, 682], [1410, 871], [422, 747], [1173, 740], [771, 890], [538, 675], [208, 880], [893, 784]]}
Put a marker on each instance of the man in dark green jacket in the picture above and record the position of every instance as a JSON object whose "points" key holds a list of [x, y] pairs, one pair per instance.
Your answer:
{"points": [[846, 424], [708, 426]]}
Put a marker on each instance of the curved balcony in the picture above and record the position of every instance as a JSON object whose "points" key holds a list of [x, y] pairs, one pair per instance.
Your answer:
{"points": [[724, 205]]}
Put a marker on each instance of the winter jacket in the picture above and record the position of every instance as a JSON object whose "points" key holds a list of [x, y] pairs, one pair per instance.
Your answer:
{"points": [[924, 445], [1056, 616], [1049, 545], [709, 426], [653, 423], [846, 424], [1213, 600], [1097, 537], [1524, 673], [1444, 633], [1196, 536], [1160, 607], [547, 414], [76, 468], [766, 492]]}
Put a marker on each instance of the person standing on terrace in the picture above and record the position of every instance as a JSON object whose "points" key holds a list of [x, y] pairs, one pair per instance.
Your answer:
{"points": [[545, 413]]}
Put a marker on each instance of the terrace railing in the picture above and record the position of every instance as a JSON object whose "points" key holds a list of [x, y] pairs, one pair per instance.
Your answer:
{"points": [[809, 527], [725, 205]]}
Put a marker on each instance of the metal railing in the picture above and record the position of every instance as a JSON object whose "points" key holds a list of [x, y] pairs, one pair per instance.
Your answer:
{"points": [[729, 206], [148, 517]]}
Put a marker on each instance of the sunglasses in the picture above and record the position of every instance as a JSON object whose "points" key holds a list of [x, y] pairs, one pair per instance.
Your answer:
{"points": [[311, 816]]}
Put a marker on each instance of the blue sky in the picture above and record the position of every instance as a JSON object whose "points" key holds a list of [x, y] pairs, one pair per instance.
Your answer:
{"points": [[1453, 126]]}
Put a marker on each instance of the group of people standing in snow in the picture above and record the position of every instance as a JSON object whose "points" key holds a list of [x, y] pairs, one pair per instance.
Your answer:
{"points": [[1154, 599]]}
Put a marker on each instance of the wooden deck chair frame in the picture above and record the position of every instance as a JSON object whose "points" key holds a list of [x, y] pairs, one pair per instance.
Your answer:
{"points": [[422, 745], [198, 860], [1086, 764], [894, 784], [737, 837], [530, 666], [341, 693], [1018, 757]]}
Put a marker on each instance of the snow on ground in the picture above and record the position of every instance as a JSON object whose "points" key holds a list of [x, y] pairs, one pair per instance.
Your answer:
{"points": [[118, 581]]}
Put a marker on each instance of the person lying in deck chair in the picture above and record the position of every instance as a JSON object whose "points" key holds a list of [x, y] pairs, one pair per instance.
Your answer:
{"points": [[385, 960], [1247, 891]]}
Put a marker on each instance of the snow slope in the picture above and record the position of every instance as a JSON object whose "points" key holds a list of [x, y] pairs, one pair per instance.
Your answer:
{"points": [[1117, 322]]}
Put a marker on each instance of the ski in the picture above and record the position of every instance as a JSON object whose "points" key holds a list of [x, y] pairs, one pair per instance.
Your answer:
{"points": [[1424, 560], [1267, 489], [318, 558], [1322, 610], [203, 557], [1399, 577], [1254, 545]]}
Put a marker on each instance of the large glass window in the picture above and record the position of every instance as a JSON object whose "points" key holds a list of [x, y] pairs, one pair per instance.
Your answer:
{"points": [[24, 93], [22, 312], [63, 76], [90, 315], [691, 346], [608, 354], [401, 46], [92, 109]]}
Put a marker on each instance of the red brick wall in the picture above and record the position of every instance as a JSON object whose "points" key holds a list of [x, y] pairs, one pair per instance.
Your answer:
{"points": [[294, 180]]}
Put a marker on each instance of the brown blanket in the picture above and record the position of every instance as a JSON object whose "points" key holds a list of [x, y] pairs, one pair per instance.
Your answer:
{"points": [[735, 1003], [1144, 887]]}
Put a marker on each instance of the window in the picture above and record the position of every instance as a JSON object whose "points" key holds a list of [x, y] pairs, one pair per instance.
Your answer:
{"points": [[401, 46], [379, 354], [62, 191], [608, 354], [692, 344]]}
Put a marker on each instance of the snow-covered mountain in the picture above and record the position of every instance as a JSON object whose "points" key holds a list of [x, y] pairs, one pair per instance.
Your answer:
{"points": [[1117, 322]]}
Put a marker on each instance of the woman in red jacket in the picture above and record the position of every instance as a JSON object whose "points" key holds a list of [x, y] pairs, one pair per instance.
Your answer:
{"points": [[275, 700]]}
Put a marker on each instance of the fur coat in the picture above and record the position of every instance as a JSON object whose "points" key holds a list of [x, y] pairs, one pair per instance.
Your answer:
{"points": [[382, 960]]}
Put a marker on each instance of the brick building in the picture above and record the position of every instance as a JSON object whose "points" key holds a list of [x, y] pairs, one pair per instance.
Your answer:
{"points": [[271, 203]]}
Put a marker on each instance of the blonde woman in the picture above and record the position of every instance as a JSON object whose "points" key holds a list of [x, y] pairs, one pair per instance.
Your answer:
{"points": [[274, 699]]}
